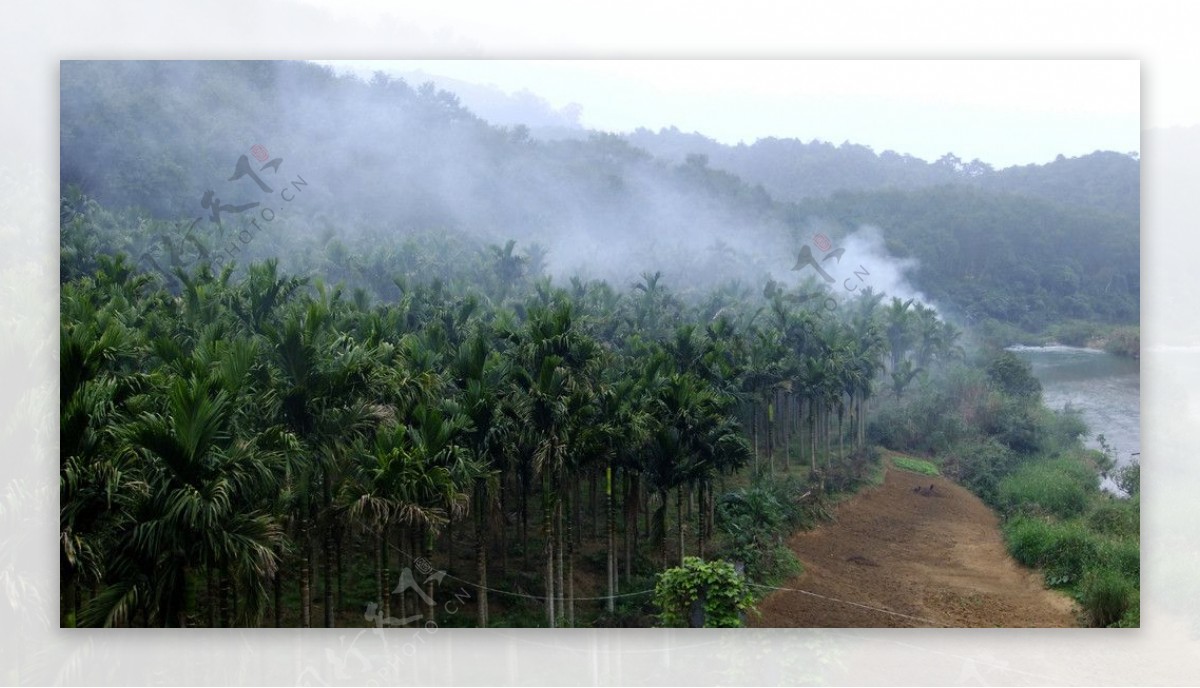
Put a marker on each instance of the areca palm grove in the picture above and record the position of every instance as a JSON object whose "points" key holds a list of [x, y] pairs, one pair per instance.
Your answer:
{"points": [[253, 436], [246, 447]]}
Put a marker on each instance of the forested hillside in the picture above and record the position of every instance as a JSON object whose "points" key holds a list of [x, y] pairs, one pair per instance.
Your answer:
{"points": [[318, 333], [1026, 246], [792, 170]]}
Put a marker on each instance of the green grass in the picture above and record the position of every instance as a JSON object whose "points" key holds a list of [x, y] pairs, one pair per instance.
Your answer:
{"points": [[1107, 596], [911, 465], [1063, 550], [1061, 487]]}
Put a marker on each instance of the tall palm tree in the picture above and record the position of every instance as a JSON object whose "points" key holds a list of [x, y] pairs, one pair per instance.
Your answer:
{"points": [[202, 511]]}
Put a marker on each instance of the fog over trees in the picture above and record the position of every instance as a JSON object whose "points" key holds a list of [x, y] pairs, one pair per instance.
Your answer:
{"points": [[318, 330]]}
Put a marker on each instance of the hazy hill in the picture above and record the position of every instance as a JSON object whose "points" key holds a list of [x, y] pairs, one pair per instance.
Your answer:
{"points": [[793, 170], [384, 161]]}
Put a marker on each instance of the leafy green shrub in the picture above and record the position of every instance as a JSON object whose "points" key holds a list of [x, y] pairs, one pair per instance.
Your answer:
{"points": [[1064, 428], [1124, 341], [1132, 618], [754, 519], [1117, 518], [1017, 424], [1124, 556], [915, 465], [853, 471], [712, 591], [1059, 487], [1129, 479], [979, 466], [1106, 596], [1062, 550], [1029, 539], [1013, 375]]}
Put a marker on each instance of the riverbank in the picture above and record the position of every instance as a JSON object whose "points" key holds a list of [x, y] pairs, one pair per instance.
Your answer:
{"points": [[1121, 340]]}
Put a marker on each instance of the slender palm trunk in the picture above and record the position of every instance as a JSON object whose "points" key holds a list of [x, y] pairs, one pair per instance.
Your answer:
{"points": [[429, 535], [277, 598], [548, 532], [339, 543], [661, 525], [841, 446], [380, 567], [559, 588], [570, 574], [210, 582], [631, 518], [503, 524], [594, 502], [524, 504], [326, 527], [754, 432], [611, 528], [481, 538], [679, 519], [306, 575], [812, 433], [449, 541], [226, 600], [771, 437]]}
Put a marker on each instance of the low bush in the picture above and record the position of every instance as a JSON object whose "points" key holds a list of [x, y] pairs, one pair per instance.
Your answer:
{"points": [[1123, 555], [1061, 487], [1062, 550], [979, 466], [710, 594], [858, 468], [1115, 517], [1106, 596]]}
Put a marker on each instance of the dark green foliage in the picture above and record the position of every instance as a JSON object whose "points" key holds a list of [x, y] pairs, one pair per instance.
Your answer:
{"points": [[1063, 550], [1061, 487], [1118, 518], [1107, 596], [857, 469], [1013, 376], [712, 591], [1017, 260], [1129, 478], [980, 466], [755, 519]]}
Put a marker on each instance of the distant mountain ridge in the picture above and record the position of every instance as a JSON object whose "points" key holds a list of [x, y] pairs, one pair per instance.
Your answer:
{"points": [[792, 170]]}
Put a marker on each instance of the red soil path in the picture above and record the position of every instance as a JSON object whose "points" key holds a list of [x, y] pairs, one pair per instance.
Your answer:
{"points": [[932, 558]]}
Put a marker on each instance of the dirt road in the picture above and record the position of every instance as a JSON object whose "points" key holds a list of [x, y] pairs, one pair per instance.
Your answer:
{"points": [[932, 558]]}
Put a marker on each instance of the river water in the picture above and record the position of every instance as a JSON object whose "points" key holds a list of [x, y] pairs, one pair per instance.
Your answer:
{"points": [[1105, 388]]}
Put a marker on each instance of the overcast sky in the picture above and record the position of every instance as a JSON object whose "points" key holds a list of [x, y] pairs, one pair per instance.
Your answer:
{"points": [[1004, 112]]}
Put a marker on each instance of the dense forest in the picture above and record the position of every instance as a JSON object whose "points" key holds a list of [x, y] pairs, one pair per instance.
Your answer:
{"points": [[546, 371]]}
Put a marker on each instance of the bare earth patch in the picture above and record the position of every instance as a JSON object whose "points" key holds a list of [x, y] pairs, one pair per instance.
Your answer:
{"points": [[937, 557]]}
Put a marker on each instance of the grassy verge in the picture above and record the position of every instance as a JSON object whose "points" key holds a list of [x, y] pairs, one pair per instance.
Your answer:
{"points": [[912, 465]]}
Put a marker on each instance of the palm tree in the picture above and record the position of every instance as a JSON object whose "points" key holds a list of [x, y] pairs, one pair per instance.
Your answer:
{"points": [[899, 335], [201, 512]]}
